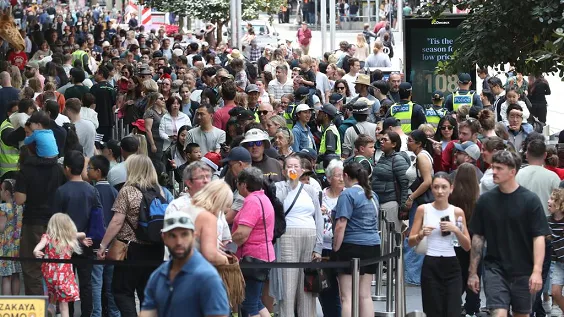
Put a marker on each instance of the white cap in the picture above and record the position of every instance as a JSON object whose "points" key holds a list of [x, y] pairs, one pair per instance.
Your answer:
{"points": [[302, 107], [177, 219]]}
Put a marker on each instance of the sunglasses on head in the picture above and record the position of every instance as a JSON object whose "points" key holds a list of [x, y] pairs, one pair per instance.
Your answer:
{"points": [[447, 127], [253, 143], [181, 220]]}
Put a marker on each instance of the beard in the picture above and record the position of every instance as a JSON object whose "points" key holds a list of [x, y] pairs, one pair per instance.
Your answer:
{"points": [[181, 256]]}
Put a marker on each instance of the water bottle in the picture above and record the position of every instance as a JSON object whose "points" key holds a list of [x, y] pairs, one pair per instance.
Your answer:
{"points": [[454, 238]]}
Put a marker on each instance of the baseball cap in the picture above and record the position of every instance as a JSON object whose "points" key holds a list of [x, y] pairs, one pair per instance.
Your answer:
{"points": [[389, 123], [335, 97], [245, 115], [308, 153], [254, 135], [329, 109], [469, 148], [238, 153], [302, 107], [32, 64], [252, 88], [362, 106], [464, 78], [405, 86], [112, 145], [177, 219], [438, 95], [302, 91], [129, 144]]}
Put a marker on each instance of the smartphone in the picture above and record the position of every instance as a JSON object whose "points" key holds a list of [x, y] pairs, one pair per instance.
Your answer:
{"points": [[445, 233]]}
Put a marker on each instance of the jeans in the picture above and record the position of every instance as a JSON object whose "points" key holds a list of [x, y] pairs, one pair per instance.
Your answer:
{"points": [[538, 310], [329, 298], [84, 273], [252, 304], [102, 276], [412, 261]]}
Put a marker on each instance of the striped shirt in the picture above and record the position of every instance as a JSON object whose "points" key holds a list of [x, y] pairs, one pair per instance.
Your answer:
{"points": [[277, 89], [557, 229]]}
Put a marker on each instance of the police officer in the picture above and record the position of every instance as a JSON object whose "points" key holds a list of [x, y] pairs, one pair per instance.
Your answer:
{"points": [[464, 96], [435, 111], [337, 101], [81, 55], [410, 114], [330, 138]]}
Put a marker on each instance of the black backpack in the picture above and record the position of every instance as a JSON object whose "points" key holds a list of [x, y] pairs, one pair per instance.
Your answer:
{"points": [[279, 216], [151, 215]]}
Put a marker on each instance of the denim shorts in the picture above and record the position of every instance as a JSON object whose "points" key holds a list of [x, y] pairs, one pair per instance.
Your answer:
{"points": [[557, 273], [503, 292]]}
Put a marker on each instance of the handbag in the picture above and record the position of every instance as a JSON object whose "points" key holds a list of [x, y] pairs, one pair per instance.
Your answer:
{"points": [[118, 250], [315, 280], [425, 198], [421, 247], [258, 274]]}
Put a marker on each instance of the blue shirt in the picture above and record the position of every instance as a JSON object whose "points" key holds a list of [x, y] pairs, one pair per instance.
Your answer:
{"points": [[45, 144], [108, 195], [77, 199], [197, 290], [361, 215], [303, 139]]}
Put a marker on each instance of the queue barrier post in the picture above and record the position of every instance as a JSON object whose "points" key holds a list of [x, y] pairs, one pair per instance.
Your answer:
{"points": [[416, 313], [114, 127], [378, 294], [355, 271], [388, 246], [400, 286]]}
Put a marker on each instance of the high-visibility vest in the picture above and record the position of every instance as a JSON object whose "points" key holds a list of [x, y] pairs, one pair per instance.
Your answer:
{"points": [[434, 116], [459, 99], [403, 113], [9, 155], [322, 146], [78, 55]]}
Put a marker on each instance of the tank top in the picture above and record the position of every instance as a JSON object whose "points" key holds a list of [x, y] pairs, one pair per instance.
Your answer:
{"points": [[437, 245]]}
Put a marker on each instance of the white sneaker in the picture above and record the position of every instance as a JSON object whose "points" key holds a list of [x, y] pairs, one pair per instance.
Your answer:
{"points": [[556, 311], [547, 306]]}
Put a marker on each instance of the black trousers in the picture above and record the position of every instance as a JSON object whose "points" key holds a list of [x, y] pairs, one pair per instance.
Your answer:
{"points": [[84, 273], [128, 279], [472, 301], [440, 286], [538, 310]]}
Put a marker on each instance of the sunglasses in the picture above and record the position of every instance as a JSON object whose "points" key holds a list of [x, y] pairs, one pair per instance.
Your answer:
{"points": [[181, 220], [161, 98], [340, 87], [253, 143], [263, 112], [447, 127]]}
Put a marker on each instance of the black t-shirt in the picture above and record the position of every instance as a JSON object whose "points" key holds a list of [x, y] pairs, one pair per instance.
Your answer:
{"points": [[105, 96], [309, 76], [77, 199], [509, 222], [39, 178]]}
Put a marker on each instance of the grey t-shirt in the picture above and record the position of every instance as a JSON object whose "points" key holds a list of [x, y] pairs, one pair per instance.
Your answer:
{"points": [[86, 136], [378, 60], [208, 141]]}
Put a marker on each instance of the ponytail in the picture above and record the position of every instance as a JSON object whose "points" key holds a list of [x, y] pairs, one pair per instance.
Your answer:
{"points": [[356, 171]]}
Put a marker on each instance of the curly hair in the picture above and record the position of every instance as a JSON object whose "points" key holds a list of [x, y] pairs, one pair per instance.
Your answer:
{"points": [[558, 197]]}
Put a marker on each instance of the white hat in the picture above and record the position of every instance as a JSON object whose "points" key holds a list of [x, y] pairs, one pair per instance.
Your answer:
{"points": [[177, 52], [205, 44], [177, 219], [256, 135], [106, 44], [302, 107]]}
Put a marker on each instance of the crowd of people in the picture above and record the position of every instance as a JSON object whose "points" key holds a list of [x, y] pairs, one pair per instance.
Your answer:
{"points": [[263, 157]]}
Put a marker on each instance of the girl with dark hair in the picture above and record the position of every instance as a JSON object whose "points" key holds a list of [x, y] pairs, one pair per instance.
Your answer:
{"points": [[447, 130], [551, 162], [172, 120], [356, 235], [175, 156], [487, 98], [342, 87], [11, 225], [464, 195], [441, 276]]}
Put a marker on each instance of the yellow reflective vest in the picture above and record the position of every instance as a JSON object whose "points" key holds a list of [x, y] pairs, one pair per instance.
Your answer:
{"points": [[459, 99], [9, 155], [403, 113], [322, 146]]}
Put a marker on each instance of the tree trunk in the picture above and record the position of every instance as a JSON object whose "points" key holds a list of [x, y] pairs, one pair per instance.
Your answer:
{"points": [[219, 32], [181, 24]]}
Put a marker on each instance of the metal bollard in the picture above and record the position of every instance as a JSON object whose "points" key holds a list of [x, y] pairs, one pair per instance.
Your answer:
{"points": [[378, 294], [355, 270], [389, 247], [416, 313], [400, 286], [114, 127]]}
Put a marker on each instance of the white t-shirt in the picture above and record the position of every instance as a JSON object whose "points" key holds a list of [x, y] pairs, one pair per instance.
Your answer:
{"points": [[350, 80], [86, 136], [302, 213], [62, 119], [540, 181]]}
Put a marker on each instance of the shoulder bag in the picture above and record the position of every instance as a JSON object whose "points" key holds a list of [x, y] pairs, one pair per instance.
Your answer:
{"points": [[294, 201], [427, 196], [258, 274]]}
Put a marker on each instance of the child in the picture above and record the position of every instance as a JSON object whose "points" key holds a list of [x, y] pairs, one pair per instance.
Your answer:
{"points": [[59, 242], [87, 111], [11, 226], [193, 153], [42, 136], [364, 149], [556, 223], [98, 169], [25, 108], [307, 77], [512, 97]]}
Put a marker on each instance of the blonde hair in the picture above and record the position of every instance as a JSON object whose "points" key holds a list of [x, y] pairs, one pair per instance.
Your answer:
{"points": [[426, 127], [16, 76], [142, 149], [378, 46], [306, 59], [360, 40], [35, 84], [62, 231], [141, 172], [214, 197], [241, 99], [558, 197]]}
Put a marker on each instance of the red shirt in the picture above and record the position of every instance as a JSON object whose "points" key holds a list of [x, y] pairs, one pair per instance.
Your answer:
{"points": [[379, 25], [18, 59], [304, 37], [448, 158], [558, 171], [221, 116]]}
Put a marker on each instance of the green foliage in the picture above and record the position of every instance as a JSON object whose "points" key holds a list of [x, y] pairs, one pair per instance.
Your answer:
{"points": [[215, 11], [528, 34]]}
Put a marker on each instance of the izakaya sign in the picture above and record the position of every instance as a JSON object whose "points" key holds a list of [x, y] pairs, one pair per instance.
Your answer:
{"points": [[23, 306]]}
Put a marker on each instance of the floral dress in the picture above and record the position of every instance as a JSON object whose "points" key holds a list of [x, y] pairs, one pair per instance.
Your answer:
{"points": [[59, 277], [10, 238]]}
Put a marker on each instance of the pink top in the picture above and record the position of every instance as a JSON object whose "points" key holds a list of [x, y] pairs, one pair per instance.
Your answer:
{"points": [[221, 116], [250, 215]]}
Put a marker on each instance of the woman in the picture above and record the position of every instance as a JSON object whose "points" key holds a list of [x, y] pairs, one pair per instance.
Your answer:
{"points": [[464, 195], [342, 87], [489, 147], [362, 49], [378, 58], [175, 156], [538, 91], [153, 115], [284, 140], [441, 277], [172, 120], [329, 298], [264, 59], [253, 229], [331, 71], [50, 90], [551, 162], [127, 281], [273, 124], [302, 242], [356, 236], [389, 180], [238, 67], [276, 60], [263, 94], [165, 88], [447, 131], [486, 118], [42, 52], [240, 100]]}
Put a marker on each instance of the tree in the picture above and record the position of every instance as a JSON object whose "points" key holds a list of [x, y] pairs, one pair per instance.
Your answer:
{"points": [[527, 34]]}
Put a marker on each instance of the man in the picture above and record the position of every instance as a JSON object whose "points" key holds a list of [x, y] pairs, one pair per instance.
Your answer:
{"points": [[256, 141], [381, 90], [188, 285], [253, 95], [118, 174], [304, 38], [350, 77], [321, 81], [9, 143], [361, 85], [238, 159], [51, 108], [496, 86], [105, 96], [85, 129], [411, 115], [361, 111], [228, 93], [330, 139], [81, 56], [281, 85], [345, 59], [7, 94], [206, 135], [484, 76], [265, 112], [394, 82], [32, 71], [534, 178], [254, 51], [517, 130], [510, 219], [468, 152], [435, 111], [78, 90], [464, 96], [36, 184]]}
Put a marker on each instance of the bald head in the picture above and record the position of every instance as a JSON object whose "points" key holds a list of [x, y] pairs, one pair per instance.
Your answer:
{"points": [[5, 79], [265, 112]]}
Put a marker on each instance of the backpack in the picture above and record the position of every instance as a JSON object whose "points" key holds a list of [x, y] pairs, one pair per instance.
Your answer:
{"points": [[151, 215], [279, 216]]}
